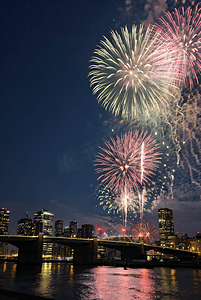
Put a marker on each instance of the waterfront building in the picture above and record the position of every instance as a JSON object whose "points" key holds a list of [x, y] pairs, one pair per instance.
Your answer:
{"points": [[166, 227], [87, 231], [4, 223], [79, 233], [25, 227], [73, 228], [195, 244], [58, 249], [67, 231], [58, 228], [43, 223], [183, 242]]}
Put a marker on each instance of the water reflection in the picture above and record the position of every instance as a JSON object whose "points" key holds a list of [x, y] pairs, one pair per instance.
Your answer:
{"points": [[11, 268], [147, 283], [61, 281], [197, 281], [44, 286], [4, 267], [169, 282], [117, 283], [71, 272]]}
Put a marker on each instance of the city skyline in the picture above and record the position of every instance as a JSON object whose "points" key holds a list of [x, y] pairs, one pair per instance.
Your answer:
{"points": [[53, 125], [143, 232], [28, 225]]}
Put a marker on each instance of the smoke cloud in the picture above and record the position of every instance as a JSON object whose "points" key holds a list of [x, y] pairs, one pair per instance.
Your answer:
{"points": [[154, 9]]}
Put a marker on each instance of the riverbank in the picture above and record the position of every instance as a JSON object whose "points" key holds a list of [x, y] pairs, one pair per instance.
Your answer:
{"points": [[10, 295], [148, 264], [119, 263]]}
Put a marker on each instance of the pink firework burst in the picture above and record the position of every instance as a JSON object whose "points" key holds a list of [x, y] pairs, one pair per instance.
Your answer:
{"points": [[145, 231], [182, 32], [127, 161]]}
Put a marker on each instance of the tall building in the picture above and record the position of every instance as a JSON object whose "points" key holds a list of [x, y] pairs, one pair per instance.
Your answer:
{"points": [[58, 228], [87, 230], [73, 228], [67, 232], [58, 249], [67, 250], [195, 243], [43, 223], [79, 233], [25, 227], [4, 222], [166, 227]]}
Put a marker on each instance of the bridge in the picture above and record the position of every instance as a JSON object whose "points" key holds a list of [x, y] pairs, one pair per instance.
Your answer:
{"points": [[85, 250]]}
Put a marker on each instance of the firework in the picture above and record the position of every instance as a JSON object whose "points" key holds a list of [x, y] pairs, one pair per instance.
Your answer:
{"points": [[162, 128], [182, 29], [121, 164], [145, 231], [114, 205], [113, 202], [120, 161], [133, 73]]}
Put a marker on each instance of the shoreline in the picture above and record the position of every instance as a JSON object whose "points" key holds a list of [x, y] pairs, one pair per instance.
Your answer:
{"points": [[10, 295], [119, 263]]}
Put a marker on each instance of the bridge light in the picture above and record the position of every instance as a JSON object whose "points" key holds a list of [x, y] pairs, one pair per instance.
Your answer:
{"points": [[123, 230]]}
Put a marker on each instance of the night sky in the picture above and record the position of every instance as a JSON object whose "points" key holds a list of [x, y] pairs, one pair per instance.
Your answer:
{"points": [[51, 124]]}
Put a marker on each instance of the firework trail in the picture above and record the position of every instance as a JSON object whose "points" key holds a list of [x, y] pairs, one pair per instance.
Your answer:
{"points": [[145, 231], [133, 74], [141, 195], [120, 163], [182, 29], [142, 161], [125, 204], [187, 127]]}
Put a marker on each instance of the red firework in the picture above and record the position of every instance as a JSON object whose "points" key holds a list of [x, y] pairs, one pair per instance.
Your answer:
{"points": [[127, 161], [182, 30], [145, 231]]}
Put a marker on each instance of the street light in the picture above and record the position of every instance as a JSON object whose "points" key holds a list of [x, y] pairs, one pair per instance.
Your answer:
{"points": [[123, 230], [99, 229]]}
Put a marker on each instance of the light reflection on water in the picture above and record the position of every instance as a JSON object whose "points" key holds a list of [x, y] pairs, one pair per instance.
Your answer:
{"points": [[64, 281]]}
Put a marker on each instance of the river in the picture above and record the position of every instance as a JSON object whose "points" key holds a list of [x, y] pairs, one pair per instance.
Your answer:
{"points": [[63, 281]]}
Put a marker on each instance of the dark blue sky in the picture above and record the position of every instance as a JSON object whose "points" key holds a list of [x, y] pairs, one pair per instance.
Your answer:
{"points": [[51, 124]]}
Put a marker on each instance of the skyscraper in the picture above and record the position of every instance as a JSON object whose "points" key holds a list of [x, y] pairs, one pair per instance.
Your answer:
{"points": [[87, 230], [166, 227], [43, 223], [58, 228], [25, 227], [73, 228], [4, 222], [58, 249]]}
